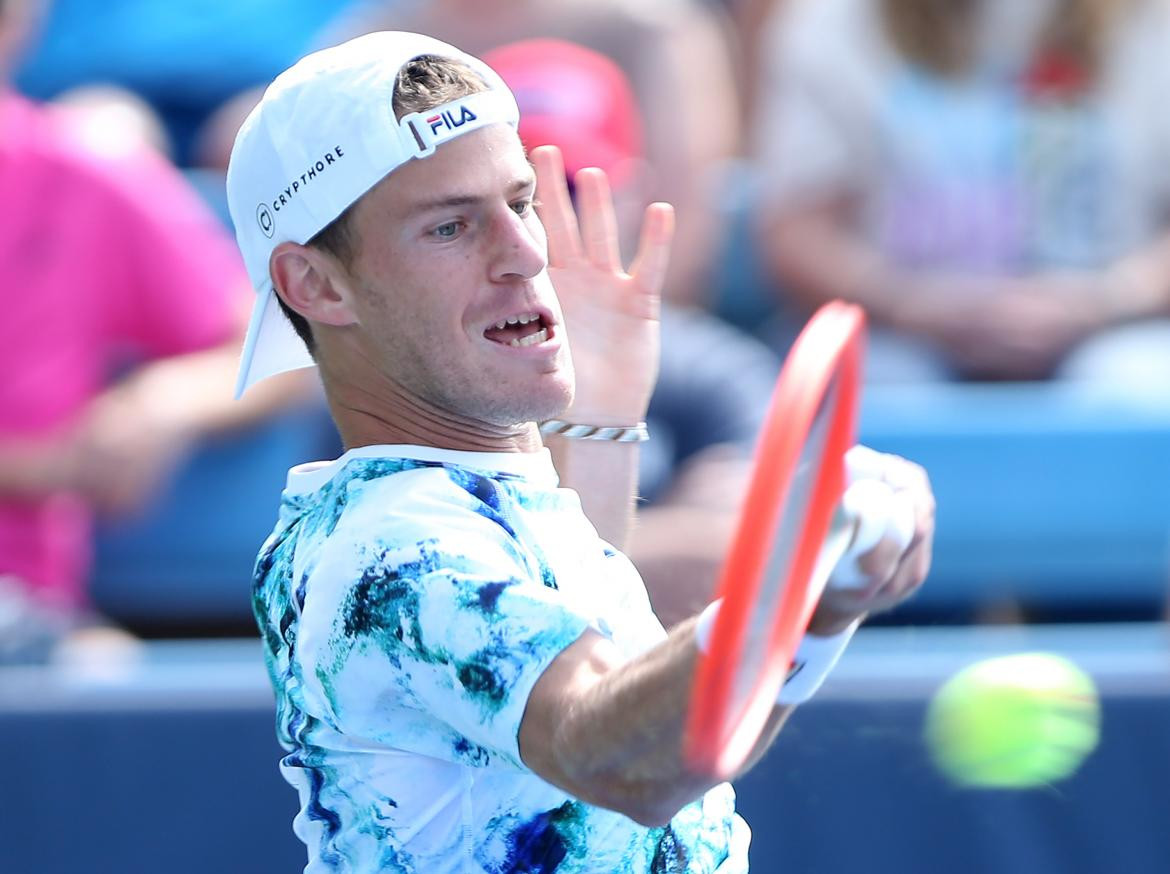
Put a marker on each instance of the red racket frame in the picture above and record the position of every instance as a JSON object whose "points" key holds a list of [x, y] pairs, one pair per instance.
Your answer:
{"points": [[719, 741]]}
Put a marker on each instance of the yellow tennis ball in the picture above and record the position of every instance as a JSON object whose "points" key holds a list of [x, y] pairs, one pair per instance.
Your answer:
{"points": [[1014, 721]]}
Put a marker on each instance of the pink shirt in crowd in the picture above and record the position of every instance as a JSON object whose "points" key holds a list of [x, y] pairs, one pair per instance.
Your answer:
{"points": [[103, 261]]}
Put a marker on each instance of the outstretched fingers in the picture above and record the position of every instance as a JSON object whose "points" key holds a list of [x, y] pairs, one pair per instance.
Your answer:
{"points": [[649, 267], [555, 207], [599, 230]]}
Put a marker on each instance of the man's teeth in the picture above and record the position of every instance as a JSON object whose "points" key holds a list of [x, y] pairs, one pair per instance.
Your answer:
{"points": [[516, 320], [531, 340]]}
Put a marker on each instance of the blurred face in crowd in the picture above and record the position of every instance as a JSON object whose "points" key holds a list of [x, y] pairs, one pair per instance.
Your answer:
{"points": [[451, 297]]}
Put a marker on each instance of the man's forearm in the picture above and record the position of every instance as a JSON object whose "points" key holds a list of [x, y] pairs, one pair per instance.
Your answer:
{"points": [[679, 550], [613, 735], [605, 476], [29, 470], [681, 541], [1138, 285], [818, 258], [193, 393]]}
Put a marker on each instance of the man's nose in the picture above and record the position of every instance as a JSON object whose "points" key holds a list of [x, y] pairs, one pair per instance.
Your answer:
{"points": [[520, 250]]}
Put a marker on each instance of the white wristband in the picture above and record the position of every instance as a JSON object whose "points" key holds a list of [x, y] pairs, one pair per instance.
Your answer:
{"points": [[706, 624], [815, 656], [814, 660]]}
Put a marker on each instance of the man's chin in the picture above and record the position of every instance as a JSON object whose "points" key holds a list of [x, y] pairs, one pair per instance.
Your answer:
{"points": [[553, 409], [535, 407]]}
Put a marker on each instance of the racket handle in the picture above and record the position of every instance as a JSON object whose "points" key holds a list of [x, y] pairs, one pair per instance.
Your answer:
{"points": [[877, 512]]}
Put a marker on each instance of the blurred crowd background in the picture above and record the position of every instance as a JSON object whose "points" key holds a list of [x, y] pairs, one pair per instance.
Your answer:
{"points": [[990, 179]]}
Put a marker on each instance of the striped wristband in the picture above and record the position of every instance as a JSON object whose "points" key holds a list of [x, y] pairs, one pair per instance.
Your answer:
{"points": [[614, 434]]}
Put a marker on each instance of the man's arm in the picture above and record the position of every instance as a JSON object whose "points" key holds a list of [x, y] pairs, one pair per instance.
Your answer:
{"points": [[712, 394], [811, 250], [1011, 326], [611, 732], [605, 730], [680, 542], [605, 477], [31, 468], [612, 321], [135, 433], [174, 294], [131, 435]]}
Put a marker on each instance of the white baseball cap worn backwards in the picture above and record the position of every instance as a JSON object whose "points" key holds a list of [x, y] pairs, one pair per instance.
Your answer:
{"points": [[323, 135]]}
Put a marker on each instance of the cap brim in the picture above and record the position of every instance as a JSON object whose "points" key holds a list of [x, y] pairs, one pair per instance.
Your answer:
{"points": [[271, 346]]}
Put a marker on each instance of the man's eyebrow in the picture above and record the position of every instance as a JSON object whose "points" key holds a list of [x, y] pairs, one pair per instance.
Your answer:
{"points": [[517, 186]]}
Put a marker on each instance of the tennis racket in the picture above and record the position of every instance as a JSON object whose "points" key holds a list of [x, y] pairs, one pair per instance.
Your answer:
{"points": [[790, 535]]}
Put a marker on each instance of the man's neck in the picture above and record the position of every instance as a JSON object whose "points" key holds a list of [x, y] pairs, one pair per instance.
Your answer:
{"points": [[391, 416]]}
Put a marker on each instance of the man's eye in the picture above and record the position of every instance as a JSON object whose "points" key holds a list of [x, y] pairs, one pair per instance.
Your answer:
{"points": [[448, 230], [522, 207]]}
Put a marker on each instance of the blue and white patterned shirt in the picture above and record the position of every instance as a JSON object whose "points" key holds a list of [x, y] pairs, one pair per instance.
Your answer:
{"points": [[409, 600]]}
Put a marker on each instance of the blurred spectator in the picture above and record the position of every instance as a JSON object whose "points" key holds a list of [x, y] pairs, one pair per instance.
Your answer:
{"points": [[212, 147], [112, 121], [676, 55], [750, 18], [714, 382], [124, 304], [988, 178]]}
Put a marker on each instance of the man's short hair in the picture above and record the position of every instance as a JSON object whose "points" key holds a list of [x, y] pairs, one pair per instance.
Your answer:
{"points": [[423, 83]]}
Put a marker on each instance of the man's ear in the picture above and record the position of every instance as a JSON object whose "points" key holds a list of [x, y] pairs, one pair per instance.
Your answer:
{"points": [[312, 283]]}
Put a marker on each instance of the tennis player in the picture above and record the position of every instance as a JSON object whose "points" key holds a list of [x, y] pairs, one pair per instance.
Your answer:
{"points": [[468, 673]]}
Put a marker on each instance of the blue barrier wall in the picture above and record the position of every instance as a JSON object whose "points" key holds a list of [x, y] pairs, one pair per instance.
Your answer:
{"points": [[1051, 495], [170, 766]]}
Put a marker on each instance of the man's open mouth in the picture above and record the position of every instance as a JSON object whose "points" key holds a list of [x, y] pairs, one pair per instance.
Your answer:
{"points": [[525, 329]]}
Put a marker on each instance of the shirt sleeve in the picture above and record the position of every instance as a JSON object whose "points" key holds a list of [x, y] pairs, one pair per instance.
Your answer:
{"points": [[435, 643], [179, 284]]}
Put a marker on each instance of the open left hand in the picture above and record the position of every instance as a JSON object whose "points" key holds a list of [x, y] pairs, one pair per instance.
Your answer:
{"points": [[611, 315]]}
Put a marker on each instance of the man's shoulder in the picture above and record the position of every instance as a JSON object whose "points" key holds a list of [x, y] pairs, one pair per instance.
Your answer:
{"points": [[383, 531], [401, 505], [389, 484]]}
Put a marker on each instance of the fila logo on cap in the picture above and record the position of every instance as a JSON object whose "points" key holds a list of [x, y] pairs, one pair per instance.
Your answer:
{"points": [[447, 119]]}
